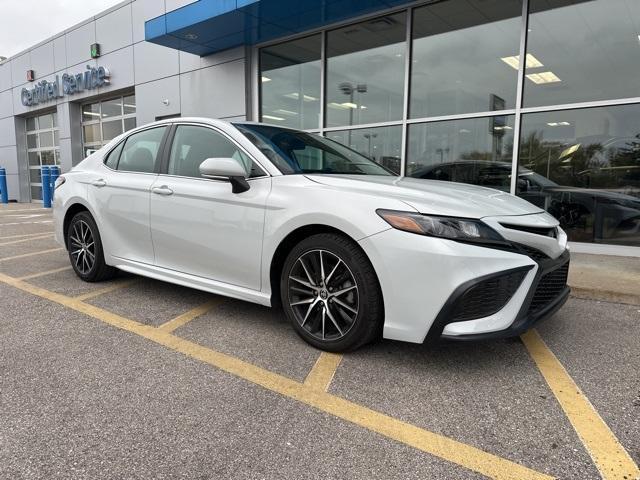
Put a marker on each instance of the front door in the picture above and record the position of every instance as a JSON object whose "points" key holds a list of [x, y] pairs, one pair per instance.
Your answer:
{"points": [[198, 225]]}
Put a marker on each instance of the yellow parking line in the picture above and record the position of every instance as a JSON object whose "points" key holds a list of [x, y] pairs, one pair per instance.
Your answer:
{"points": [[186, 317], [25, 255], [323, 371], [117, 285], [438, 445], [42, 274], [609, 456], [24, 235], [23, 240]]}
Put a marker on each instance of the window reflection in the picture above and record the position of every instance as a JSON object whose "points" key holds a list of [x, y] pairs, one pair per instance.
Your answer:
{"points": [[586, 171], [465, 57], [381, 144], [290, 83], [585, 51], [365, 71], [476, 151]]}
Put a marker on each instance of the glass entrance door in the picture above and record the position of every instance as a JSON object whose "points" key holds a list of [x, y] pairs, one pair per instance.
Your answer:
{"points": [[43, 148]]}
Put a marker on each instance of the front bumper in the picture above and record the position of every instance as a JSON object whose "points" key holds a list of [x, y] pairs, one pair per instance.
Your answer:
{"points": [[420, 275], [547, 295]]}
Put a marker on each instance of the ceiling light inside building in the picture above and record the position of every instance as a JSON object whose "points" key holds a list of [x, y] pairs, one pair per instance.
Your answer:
{"points": [[265, 79], [306, 98], [543, 78], [270, 117], [514, 61], [285, 112]]}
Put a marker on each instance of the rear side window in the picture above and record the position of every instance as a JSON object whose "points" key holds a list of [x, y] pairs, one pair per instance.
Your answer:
{"points": [[114, 155], [140, 151]]}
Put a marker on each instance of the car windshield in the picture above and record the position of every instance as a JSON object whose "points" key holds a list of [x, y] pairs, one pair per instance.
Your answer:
{"points": [[295, 152]]}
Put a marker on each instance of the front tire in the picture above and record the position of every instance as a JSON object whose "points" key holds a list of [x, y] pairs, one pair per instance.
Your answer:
{"points": [[85, 249], [331, 294]]}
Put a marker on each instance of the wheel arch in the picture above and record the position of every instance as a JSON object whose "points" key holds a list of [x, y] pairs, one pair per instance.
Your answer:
{"points": [[288, 242], [74, 208]]}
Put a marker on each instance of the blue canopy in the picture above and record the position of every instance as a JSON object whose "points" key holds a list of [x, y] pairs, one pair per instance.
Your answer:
{"points": [[209, 26]]}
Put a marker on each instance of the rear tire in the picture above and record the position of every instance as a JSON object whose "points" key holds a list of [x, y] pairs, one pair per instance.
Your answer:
{"points": [[85, 249], [330, 293]]}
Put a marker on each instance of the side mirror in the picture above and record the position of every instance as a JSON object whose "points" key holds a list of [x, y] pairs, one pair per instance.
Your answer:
{"points": [[226, 168]]}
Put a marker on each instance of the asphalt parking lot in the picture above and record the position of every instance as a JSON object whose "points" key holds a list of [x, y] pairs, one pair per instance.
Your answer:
{"points": [[135, 378]]}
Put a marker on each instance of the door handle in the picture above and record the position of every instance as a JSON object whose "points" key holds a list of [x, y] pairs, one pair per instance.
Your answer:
{"points": [[99, 183], [163, 190]]}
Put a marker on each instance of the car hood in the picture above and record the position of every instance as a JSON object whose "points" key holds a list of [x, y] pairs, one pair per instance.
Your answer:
{"points": [[434, 196]]}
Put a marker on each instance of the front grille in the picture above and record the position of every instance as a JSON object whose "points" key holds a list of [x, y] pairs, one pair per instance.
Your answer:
{"points": [[545, 231], [550, 286], [534, 253], [487, 297]]}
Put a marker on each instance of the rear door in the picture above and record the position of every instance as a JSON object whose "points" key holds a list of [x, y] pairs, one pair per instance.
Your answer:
{"points": [[120, 194], [199, 226]]}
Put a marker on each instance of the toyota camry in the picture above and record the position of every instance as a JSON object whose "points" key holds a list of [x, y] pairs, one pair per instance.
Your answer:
{"points": [[280, 217]]}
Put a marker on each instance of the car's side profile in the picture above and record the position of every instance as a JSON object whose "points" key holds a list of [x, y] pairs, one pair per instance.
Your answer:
{"points": [[282, 217]]}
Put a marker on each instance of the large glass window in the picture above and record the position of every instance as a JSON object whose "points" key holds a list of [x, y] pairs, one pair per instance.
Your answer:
{"points": [[585, 51], [365, 71], [583, 166], [103, 121], [381, 144], [465, 57], [43, 148], [290, 83], [477, 151]]}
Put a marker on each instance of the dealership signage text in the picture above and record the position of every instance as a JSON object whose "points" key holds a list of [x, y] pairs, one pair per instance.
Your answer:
{"points": [[45, 91]]}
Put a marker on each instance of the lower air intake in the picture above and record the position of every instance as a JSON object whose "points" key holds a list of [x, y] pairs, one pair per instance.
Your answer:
{"points": [[549, 288], [487, 297]]}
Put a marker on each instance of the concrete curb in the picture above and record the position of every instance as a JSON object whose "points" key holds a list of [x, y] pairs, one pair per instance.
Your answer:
{"points": [[604, 296]]}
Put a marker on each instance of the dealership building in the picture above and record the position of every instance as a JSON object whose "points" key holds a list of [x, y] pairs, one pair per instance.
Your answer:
{"points": [[537, 97]]}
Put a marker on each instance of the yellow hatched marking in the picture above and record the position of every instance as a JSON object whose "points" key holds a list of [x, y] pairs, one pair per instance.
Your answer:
{"points": [[117, 285], [609, 456], [42, 274], [12, 242], [438, 445], [186, 317], [25, 255], [24, 235], [322, 373]]}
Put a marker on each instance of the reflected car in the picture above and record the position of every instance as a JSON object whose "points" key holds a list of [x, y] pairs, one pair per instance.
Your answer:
{"points": [[281, 217], [613, 212]]}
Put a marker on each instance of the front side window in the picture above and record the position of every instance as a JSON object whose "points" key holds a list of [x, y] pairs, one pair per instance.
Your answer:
{"points": [[140, 151], [193, 144], [295, 152]]}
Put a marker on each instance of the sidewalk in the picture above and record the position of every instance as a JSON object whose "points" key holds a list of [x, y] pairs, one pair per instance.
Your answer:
{"points": [[604, 277]]}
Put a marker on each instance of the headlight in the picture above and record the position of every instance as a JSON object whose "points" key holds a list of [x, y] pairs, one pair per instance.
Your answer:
{"points": [[461, 229]]}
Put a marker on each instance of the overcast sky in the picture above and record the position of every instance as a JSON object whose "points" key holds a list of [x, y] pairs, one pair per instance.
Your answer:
{"points": [[24, 23]]}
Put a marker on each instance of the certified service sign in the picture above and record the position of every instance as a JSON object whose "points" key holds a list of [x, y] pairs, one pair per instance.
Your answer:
{"points": [[46, 91]]}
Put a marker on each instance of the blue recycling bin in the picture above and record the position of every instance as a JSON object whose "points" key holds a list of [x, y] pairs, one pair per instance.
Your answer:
{"points": [[46, 186], [4, 194]]}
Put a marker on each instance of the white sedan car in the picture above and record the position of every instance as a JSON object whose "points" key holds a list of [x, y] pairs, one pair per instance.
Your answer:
{"points": [[282, 217]]}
